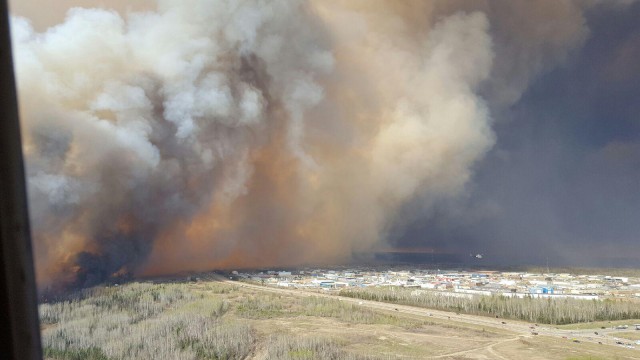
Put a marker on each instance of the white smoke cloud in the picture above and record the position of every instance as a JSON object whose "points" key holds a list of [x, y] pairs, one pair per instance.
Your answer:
{"points": [[229, 133], [442, 127]]}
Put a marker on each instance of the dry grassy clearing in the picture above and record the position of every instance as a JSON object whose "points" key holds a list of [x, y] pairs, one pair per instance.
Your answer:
{"points": [[212, 320]]}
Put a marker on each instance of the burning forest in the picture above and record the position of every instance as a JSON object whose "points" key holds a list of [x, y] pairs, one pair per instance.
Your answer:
{"points": [[228, 134]]}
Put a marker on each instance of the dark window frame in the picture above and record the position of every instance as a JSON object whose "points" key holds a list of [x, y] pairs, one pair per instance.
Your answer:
{"points": [[19, 324]]}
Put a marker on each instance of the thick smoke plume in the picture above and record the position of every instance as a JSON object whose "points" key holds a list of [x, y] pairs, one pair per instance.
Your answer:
{"points": [[220, 134]]}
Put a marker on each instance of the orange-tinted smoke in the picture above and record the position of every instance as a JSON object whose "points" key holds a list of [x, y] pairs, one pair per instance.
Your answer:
{"points": [[255, 134]]}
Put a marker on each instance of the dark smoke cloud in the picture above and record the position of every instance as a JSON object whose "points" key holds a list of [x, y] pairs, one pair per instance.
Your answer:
{"points": [[562, 181], [240, 134]]}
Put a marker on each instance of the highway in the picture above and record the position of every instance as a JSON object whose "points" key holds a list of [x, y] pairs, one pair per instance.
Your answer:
{"points": [[519, 328]]}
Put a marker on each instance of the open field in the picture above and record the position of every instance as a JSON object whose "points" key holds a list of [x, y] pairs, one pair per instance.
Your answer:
{"points": [[631, 335], [211, 319]]}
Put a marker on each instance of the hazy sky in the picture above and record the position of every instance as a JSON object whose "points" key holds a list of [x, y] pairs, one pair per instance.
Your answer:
{"points": [[563, 180], [52, 12], [206, 134]]}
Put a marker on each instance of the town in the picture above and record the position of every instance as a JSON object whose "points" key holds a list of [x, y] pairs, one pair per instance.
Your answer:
{"points": [[453, 282]]}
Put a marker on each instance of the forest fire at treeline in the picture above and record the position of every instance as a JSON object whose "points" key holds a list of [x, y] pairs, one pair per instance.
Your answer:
{"points": [[209, 134]]}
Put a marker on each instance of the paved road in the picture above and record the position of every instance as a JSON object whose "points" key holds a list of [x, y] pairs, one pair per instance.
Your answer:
{"points": [[521, 328]]}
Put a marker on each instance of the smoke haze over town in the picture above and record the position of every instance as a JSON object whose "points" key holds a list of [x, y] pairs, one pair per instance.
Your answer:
{"points": [[191, 135]]}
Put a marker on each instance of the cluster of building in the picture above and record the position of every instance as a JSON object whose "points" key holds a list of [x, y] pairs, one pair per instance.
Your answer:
{"points": [[519, 284]]}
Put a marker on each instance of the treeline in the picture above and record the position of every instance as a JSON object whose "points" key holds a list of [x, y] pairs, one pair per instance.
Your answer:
{"points": [[144, 321], [179, 321], [547, 311]]}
